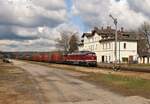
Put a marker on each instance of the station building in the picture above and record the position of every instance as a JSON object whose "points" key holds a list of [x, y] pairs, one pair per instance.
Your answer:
{"points": [[102, 42]]}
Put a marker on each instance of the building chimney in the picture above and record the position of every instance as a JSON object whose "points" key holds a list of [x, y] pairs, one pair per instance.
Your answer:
{"points": [[107, 27], [95, 28], [110, 27], [102, 28], [122, 29]]}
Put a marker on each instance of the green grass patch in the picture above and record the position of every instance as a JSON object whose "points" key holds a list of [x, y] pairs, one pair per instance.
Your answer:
{"points": [[125, 85], [134, 64], [128, 82]]}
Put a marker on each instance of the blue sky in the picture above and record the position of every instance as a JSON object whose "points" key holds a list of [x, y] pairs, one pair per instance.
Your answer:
{"points": [[75, 20]]}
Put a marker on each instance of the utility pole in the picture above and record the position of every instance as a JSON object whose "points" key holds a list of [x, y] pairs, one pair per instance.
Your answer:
{"points": [[116, 39]]}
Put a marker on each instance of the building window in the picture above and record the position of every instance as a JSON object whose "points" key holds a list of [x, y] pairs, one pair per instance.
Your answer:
{"points": [[124, 59], [93, 39], [96, 47], [103, 46], [109, 58], [108, 45], [91, 47], [125, 45]]}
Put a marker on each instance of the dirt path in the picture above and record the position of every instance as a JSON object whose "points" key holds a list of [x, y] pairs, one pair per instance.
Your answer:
{"points": [[61, 87], [16, 86]]}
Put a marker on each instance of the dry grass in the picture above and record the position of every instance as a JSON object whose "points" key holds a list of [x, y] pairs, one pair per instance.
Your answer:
{"points": [[125, 85], [15, 86]]}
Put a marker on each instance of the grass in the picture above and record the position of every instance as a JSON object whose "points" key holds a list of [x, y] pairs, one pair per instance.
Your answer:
{"points": [[141, 65], [125, 85], [128, 82]]}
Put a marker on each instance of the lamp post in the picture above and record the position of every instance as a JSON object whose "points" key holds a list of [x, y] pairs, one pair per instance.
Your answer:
{"points": [[116, 36]]}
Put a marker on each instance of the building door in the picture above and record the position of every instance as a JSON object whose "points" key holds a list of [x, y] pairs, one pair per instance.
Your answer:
{"points": [[130, 59], [103, 58]]}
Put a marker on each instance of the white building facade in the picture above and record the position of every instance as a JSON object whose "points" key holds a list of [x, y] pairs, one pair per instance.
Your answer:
{"points": [[102, 42]]}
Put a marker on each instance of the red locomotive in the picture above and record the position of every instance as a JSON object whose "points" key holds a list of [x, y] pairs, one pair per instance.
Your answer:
{"points": [[81, 58], [78, 58]]}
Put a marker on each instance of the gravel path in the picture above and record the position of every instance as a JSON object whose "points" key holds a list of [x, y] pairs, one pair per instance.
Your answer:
{"points": [[58, 86]]}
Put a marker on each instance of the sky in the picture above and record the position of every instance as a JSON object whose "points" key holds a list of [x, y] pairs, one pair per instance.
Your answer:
{"points": [[33, 25]]}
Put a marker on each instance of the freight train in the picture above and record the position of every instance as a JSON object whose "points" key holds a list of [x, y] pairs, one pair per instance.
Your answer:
{"points": [[77, 58]]}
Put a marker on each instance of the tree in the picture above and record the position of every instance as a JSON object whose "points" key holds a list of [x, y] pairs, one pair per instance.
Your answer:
{"points": [[73, 43], [143, 41], [145, 29], [62, 43]]}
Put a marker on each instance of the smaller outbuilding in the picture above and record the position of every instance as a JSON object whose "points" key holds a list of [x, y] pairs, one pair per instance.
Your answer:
{"points": [[144, 58]]}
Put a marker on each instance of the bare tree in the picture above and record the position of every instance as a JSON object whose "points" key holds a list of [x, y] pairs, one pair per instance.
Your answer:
{"points": [[143, 43], [73, 43], [145, 29], [62, 43]]}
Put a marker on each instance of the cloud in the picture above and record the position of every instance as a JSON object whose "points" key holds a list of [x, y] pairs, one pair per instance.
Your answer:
{"points": [[21, 20], [50, 4], [130, 13], [27, 45], [68, 27], [35, 24], [30, 13], [141, 6], [9, 32], [127, 17], [93, 13], [37, 39]]}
